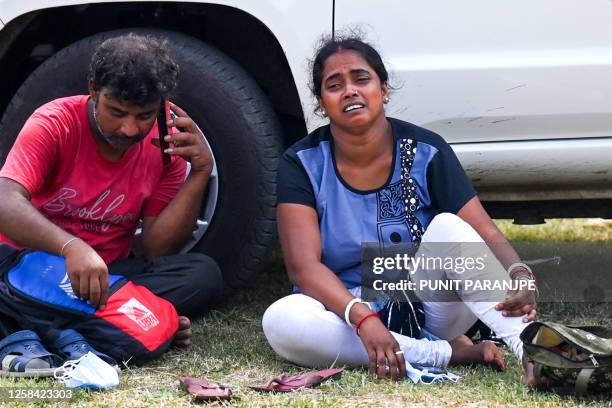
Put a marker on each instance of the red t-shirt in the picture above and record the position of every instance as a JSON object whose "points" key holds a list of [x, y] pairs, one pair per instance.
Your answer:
{"points": [[57, 160]]}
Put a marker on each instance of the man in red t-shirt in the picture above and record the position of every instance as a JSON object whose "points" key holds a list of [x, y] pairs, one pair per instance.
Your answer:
{"points": [[86, 169]]}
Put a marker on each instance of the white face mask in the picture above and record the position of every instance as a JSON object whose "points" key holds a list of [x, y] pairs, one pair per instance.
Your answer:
{"points": [[429, 375], [89, 371]]}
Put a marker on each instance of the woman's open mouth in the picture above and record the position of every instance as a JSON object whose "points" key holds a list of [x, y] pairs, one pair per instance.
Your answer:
{"points": [[353, 107]]}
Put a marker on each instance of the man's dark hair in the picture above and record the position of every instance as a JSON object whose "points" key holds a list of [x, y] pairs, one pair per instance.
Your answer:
{"points": [[134, 68], [352, 41]]}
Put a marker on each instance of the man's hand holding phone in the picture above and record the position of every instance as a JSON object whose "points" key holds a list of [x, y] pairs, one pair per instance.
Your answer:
{"points": [[188, 143]]}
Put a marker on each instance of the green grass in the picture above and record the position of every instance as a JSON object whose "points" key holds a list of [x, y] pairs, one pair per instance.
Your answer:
{"points": [[591, 230], [230, 348]]}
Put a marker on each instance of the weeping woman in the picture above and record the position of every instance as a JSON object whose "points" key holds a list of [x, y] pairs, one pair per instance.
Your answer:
{"points": [[339, 187]]}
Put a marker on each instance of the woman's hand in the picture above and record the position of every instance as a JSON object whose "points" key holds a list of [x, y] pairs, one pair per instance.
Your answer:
{"points": [[382, 347], [519, 303]]}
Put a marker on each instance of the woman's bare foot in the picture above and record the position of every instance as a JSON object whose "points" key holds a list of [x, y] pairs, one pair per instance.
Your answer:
{"points": [[491, 355], [466, 352], [528, 374], [183, 335], [486, 352], [462, 340]]}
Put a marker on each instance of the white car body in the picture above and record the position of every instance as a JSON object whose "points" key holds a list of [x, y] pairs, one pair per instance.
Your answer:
{"points": [[522, 89]]}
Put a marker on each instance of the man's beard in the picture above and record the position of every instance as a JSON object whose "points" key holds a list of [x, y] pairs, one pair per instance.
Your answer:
{"points": [[117, 141]]}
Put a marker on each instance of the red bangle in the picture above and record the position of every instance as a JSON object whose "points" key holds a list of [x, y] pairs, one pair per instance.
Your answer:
{"points": [[524, 272], [363, 319]]}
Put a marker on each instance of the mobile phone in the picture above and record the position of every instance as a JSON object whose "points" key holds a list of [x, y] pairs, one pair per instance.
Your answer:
{"points": [[162, 117]]}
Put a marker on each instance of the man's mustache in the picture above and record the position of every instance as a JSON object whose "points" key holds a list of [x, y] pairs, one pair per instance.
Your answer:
{"points": [[125, 139]]}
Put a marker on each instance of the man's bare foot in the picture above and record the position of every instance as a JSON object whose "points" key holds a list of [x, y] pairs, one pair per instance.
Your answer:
{"points": [[183, 335], [528, 374]]}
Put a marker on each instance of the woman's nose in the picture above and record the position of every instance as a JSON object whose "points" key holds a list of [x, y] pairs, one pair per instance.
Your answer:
{"points": [[350, 92]]}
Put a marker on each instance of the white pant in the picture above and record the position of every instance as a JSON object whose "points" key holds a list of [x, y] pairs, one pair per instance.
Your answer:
{"points": [[301, 330]]}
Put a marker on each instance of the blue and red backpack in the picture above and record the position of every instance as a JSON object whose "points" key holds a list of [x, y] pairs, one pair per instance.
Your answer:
{"points": [[35, 292]]}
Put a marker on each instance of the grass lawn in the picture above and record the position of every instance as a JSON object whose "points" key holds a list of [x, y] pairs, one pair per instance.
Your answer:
{"points": [[230, 348]]}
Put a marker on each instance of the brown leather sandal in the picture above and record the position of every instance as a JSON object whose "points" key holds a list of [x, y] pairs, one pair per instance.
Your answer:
{"points": [[204, 390], [287, 383]]}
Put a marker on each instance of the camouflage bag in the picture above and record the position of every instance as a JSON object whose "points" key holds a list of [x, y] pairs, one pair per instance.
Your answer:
{"points": [[575, 358]]}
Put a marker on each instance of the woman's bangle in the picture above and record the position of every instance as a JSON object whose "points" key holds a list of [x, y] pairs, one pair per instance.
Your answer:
{"points": [[71, 240], [521, 269], [363, 319], [347, 309], [518, 265]]}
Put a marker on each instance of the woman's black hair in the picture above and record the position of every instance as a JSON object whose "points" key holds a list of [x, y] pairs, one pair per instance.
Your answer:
{"points": [[350, 42], [134, 68]]}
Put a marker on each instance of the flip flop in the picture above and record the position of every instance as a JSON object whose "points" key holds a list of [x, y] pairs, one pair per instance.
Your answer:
{"points": [[23, 355], [204, 390], [72, 345], [287, 383]]}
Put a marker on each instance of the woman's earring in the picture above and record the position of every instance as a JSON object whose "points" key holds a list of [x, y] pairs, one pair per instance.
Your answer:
{"points": [[386, 99], [323, 113]]}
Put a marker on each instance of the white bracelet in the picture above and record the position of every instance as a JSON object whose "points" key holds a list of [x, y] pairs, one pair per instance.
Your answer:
{"points": [[66, 244], [347, 309], [519, 264]]}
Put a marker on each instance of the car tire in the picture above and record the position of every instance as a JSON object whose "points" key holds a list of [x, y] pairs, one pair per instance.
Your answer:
{"points": [[236, 118]]}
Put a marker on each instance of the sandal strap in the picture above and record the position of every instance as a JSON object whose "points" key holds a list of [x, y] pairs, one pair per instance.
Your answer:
{"points": [[67, 337], [28, 345], [71, 339], [19, 363], [18, 337]]}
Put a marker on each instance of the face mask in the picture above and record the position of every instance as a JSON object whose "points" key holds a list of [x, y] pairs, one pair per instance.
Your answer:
{"points": [[429, 375], [89, 371]]}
